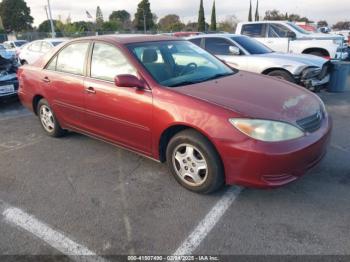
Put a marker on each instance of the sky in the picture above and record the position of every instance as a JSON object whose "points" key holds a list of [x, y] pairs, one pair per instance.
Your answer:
{"points": [[330, 10]]}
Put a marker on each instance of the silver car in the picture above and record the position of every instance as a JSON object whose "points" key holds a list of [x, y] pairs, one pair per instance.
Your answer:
{"points": [[247, 54]]}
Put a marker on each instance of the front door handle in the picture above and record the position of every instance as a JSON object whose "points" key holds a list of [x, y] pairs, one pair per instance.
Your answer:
{"points": [[46, 79], [90, 90]]}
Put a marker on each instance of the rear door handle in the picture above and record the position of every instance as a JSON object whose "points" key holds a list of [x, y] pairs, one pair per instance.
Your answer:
{"points": [[46, 80], [90, 90]]}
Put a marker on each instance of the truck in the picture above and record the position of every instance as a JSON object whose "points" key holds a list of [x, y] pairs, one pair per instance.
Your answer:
{"points": [[285, 36]]}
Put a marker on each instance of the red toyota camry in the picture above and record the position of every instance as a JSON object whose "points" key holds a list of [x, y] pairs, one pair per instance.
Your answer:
{"points": [[171, 101]]}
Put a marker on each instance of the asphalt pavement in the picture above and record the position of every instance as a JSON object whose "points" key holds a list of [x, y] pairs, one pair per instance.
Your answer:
{"points": [[107, 201]]}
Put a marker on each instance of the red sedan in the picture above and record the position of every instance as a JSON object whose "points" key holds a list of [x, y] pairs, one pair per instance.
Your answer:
{"points": [[169, 100]]}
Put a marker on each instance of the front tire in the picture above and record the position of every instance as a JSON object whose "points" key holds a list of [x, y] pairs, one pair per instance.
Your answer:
{"points": [[48, 120], [280, 74], [194, 162]]}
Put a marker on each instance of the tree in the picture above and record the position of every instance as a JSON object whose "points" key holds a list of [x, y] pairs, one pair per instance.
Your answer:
{"points": [[121, 15], [144, 11], [274, 15], [250, 16], [342, 25], [201, 18], [170, 23], [298, 18], [257, 11], [229, 24], [99, 18], [45, 26], [277, 15], [15, 15], [113, 25], [213, 18], [322, 23]]}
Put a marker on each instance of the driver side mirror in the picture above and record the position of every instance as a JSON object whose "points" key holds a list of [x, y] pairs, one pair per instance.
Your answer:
{"points": [[291, 35], [234, 50], [129, 81]]}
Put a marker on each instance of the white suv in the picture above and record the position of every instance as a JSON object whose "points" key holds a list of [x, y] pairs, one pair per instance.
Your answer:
{"points": [[284, 36]]}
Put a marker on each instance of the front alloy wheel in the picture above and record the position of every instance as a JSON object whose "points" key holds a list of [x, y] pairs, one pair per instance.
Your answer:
{"points": [[194, 162], [190, 164]]}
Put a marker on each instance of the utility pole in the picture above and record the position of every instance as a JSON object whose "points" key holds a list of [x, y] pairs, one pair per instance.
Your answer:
{"points": [[144, 21], [47, 15], [51, 22]]}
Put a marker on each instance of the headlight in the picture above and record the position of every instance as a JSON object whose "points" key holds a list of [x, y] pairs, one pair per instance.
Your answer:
{"points": [[338, 41], [311, 72], [266, 130]]}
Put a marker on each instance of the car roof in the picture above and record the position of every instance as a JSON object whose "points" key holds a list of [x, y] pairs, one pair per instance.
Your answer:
{"points": [[265, 22], [215, 35], [129, 39]]}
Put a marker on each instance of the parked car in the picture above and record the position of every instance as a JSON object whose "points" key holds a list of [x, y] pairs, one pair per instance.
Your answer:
{"points": [[247, 54], [211, 124], [8, 69], [36, 49], [5, 53], [14, 45], [186, 34], [282, 36]]}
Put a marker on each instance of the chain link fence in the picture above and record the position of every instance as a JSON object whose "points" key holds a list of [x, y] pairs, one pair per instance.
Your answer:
{"points": [[31, 36]]}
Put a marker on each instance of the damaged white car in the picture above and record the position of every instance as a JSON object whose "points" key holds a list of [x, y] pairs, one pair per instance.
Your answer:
{"points": [[8, 69], [247, 54]]}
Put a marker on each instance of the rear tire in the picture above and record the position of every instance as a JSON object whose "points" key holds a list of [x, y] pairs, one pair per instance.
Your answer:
{"points": [[280, 74], [194, 162], [48, 120]]}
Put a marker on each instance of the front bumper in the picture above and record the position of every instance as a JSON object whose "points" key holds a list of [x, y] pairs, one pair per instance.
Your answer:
{"points": [[314, 82], [341, 55], [266, 165], [12, 92]]}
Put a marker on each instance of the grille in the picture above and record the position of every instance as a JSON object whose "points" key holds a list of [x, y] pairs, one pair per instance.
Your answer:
{"points": [[325, 70], [311, 123]]}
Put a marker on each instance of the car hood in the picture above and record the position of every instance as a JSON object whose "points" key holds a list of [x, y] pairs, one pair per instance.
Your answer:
{"points": [[256, 96], [284, 58]]}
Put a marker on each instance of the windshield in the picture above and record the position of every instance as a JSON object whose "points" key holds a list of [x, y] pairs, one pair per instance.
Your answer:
{"points": [[252, 46], [299, 29], [178, 63]]}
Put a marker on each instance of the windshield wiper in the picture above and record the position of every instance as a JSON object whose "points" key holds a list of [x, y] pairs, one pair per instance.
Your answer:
{"points": [[184, 83], [201, 80], [216, 76]]}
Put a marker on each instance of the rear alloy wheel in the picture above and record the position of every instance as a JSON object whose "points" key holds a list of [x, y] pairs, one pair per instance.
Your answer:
{"points": [[280, 74], [194, 162], [48, 120]]}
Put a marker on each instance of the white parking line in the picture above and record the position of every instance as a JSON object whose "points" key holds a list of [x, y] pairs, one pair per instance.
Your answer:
{"points": [[44, 232], [208, 222]]}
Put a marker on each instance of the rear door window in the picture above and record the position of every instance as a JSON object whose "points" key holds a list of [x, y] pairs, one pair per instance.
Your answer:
{"points": [[218, 46], [277, 30], [45, 47], [72, 58], [35, 47], [253, 30]]}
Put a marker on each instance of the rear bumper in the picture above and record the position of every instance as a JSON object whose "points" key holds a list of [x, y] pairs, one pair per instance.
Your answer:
{"points": [[267, 165], [13, 82]]}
